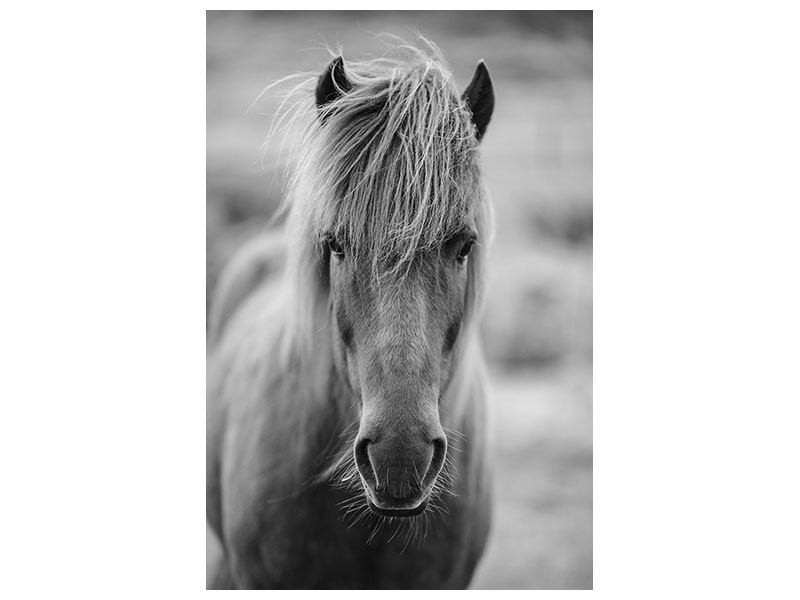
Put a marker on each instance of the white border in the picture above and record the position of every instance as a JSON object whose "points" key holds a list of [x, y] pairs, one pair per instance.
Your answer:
{"points": [[696, 296]]}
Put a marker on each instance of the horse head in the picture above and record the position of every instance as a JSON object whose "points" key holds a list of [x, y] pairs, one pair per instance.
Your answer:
{"points": [[398, 249]]}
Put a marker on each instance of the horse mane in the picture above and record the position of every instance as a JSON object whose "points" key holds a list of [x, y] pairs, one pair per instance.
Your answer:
{"points": [[390, 169]]}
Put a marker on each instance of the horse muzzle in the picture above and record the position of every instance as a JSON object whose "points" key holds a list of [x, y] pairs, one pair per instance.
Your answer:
{"points": [[398, 477]]}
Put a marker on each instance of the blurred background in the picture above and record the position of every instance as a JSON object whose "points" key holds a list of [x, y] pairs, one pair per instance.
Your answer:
{"points": [[537, 157]]}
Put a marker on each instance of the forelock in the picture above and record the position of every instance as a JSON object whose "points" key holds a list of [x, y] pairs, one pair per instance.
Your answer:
{"points": [[396, 160]]}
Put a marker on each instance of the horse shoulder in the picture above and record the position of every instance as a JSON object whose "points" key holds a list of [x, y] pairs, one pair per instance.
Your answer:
{"points": [[265, 445], [240, 398]]}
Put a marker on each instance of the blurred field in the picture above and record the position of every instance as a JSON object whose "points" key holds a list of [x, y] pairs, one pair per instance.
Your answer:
{"points": [[537, 325]]}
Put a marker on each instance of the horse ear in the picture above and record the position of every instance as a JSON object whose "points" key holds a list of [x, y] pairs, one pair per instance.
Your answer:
{"points": [[479, 96], [333, 83]]}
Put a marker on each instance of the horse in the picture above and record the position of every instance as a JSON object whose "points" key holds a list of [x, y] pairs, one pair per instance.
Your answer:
{"points": [[346, 395]]}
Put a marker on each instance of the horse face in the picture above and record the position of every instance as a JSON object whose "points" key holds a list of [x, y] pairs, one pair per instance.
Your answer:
{"points": [[394, 341]]}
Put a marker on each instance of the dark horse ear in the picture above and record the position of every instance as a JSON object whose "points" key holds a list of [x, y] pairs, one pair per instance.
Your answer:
{"points": [[479, 96], [333, 83]]}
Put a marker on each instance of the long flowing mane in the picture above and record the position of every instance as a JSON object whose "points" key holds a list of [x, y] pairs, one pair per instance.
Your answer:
{"points": [[390, 167]]}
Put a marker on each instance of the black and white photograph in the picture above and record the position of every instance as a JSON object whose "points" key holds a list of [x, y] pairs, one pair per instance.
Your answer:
{"points": [[399, 299], [452, 298]]}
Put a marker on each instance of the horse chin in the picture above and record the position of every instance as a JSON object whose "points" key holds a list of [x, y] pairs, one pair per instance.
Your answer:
{"points": [[398, 512]]}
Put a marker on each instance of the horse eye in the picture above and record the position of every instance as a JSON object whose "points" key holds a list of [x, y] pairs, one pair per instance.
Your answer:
{"points": [[335, 248], [464, 252]]}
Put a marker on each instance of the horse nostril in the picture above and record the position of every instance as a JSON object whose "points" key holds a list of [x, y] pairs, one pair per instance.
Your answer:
{"points": [[439, 445], [437, 461], [363, 463]]}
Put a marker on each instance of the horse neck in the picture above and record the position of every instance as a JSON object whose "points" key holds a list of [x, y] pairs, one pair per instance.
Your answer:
{"points": [[464, 385]]}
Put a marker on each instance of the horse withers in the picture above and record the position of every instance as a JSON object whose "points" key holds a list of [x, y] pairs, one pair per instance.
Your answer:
{"points": [[346, 429]]}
